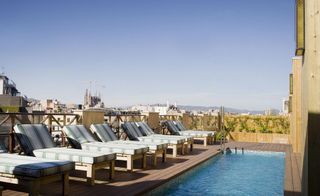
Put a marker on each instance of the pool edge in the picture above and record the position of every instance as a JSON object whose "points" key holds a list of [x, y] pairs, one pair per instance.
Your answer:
{"points": [[150, 188]]}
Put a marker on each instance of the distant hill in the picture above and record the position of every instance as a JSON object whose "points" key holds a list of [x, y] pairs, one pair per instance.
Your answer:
{"points": [[206, 108], [226, 109]]}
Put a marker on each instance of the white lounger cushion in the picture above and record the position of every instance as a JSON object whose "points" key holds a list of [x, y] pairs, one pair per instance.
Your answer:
{"points": [[162, 138], [151, 145], [82, 156], [31, 166], [115, 148], [196, 133]]}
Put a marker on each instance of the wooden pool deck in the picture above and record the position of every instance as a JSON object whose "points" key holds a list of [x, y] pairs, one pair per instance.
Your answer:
{"points": [[142, 181]]}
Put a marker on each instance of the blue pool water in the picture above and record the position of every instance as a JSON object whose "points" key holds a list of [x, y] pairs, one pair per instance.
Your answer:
{"points": [[251, 173]]}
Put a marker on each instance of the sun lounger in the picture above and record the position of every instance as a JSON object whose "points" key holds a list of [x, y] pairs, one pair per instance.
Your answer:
{"points": [[177, 128], [181, 127], [146, 130], [135, 132], [105, 134], [35, 140], [80, 137], [29, 173]]}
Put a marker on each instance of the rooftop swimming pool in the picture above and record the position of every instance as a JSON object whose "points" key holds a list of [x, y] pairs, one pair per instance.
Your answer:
{"points": [[250, 173]]}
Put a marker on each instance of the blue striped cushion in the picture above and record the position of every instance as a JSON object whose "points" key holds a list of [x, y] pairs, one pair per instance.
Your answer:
{"points": [[32, 166], [146, 130], [172, 128], [180, 125], [79, 133], [86, 142], [104, 132], [33, 136], [76, 155], [131, 130]]}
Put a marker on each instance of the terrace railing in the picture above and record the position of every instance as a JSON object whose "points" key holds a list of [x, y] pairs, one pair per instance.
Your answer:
{"points": [[54, 121]]}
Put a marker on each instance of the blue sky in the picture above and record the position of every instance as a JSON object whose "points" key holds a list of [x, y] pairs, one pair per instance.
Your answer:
{"points": [[235, 53]]}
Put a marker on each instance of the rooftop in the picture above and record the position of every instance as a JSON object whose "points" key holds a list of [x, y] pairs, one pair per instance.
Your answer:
{"points": [[142, 181]]}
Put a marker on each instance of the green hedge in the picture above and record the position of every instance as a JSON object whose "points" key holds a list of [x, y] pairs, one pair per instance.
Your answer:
{"points": [[258, 124], [238, 123]]}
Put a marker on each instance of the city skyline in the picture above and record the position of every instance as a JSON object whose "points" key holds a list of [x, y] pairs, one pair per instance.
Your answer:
{"points": [[204, 53]]}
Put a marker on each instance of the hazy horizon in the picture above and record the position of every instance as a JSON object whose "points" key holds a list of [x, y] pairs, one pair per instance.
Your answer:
{"points": [[207, 53]]}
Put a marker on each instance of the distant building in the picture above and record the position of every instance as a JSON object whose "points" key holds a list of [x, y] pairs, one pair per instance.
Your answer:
{"points": [[271, 112], [160, 108], [9, 94], [52, 106], [145, 109], [8, 87], [285, 106], [92, 101], [245, 114], [213, 112]]}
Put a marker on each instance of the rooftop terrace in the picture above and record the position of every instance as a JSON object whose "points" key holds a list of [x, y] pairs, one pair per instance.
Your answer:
{"points": [[142, 181]]}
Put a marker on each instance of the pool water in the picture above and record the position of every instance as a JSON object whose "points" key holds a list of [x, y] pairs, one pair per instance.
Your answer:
{"points": [[250, 173]]}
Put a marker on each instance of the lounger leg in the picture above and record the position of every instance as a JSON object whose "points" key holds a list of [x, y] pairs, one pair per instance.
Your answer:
{"points": [[182, 149], [111, 169], [174, 150], [164, 155], [129, 163], [154, 159], [65, 183], [35, 187], [205, 141], [1, 188], [191, 145], [91, 174], [144, 160]]}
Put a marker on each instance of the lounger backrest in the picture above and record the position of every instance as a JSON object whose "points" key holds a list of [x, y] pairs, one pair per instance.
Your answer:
{"points": [[103, 132], [145, 129], [131, 131], [180, 125], [172, 127], [77, 135], [33, 136], [137, 129]]}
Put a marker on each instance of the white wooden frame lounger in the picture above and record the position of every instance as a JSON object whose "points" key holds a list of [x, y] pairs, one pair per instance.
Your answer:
{"points": [[35, 140], [132, 130], [188, 140], [29, 173], [105, 134], [80, 137], [206, 136]]}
